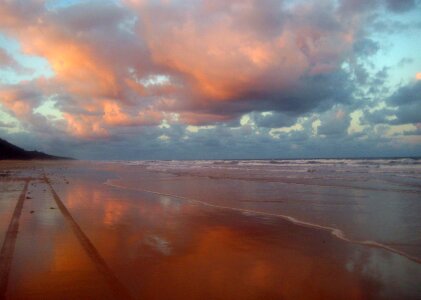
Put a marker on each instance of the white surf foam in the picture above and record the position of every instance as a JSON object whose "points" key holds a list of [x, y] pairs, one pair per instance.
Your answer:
{"points": [[334, 231]]}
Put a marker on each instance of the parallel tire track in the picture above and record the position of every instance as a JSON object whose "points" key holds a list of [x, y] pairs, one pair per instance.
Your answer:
{"points": [[8, 247], [118, 289]]}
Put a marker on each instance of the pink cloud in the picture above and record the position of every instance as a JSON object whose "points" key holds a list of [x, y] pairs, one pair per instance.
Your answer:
{"points": [[213, 52], [5, 58]]}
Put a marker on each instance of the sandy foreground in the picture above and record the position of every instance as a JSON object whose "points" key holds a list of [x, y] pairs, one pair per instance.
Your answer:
{"points": [[67, 235]]}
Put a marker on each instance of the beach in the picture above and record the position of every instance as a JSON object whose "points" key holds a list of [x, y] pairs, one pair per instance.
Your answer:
{"points": [[210, 230]]}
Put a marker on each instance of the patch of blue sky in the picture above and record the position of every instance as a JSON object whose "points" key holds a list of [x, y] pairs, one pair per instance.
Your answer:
{"points": [[59, 4], [155, 80], [13, 124], [31, 67], [49, 110], [397, 46]]}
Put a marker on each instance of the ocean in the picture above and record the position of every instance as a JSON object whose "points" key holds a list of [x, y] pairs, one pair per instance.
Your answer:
{"points": [[367, 201], [211, 229]]}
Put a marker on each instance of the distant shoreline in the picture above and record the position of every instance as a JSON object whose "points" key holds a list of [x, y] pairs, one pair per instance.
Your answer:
{"points": [[8, 151]]}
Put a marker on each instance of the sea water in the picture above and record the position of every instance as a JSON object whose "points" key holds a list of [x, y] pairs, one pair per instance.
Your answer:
{"points": [[368, 201]]}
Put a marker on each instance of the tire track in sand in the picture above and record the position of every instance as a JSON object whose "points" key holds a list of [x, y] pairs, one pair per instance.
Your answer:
{"points": [[8, 247], [118, 289]]}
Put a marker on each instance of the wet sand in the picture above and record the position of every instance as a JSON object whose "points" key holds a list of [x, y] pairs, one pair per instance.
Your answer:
{"points": [[74, 237]]}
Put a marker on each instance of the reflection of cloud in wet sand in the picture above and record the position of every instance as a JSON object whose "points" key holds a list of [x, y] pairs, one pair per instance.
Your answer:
{"points": [[225, 263], [158, 244], [192, 245], [163, 247]]}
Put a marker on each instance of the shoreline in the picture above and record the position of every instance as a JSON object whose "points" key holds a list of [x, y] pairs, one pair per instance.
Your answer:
{"points": [[80, 232], [338, 233]]}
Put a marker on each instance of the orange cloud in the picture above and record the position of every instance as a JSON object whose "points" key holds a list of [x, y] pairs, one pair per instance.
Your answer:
{"points": [[216, 52], [418, 76], [74, 62], [113, 115], [85, 126], [21, 100], [223, 62], [227, 55]]}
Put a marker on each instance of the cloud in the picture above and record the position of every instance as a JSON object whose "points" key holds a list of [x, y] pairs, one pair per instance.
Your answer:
{"points": [[334, 122], [220, 59], [273, 120], [408, 102], [5, 59], [366, 47], [403, 107], [230, 53], [400, 5], [6, 125], [20, 99], [117, 71], [9, 63], [395, 6]]}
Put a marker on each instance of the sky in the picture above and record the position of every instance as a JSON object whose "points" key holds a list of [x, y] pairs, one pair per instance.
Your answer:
{"points": [[211, 79]]}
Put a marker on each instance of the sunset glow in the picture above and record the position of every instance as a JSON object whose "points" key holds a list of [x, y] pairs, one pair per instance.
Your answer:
{"points": [[115, 71], [210, 149]]}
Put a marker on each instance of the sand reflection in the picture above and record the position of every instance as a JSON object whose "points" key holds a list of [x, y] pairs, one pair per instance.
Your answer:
{"points": [[161, 247], [167, 248]]}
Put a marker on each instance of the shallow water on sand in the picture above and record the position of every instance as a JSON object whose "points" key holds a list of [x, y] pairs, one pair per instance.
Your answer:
{"points": [[365, 200], [168, 247]]}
